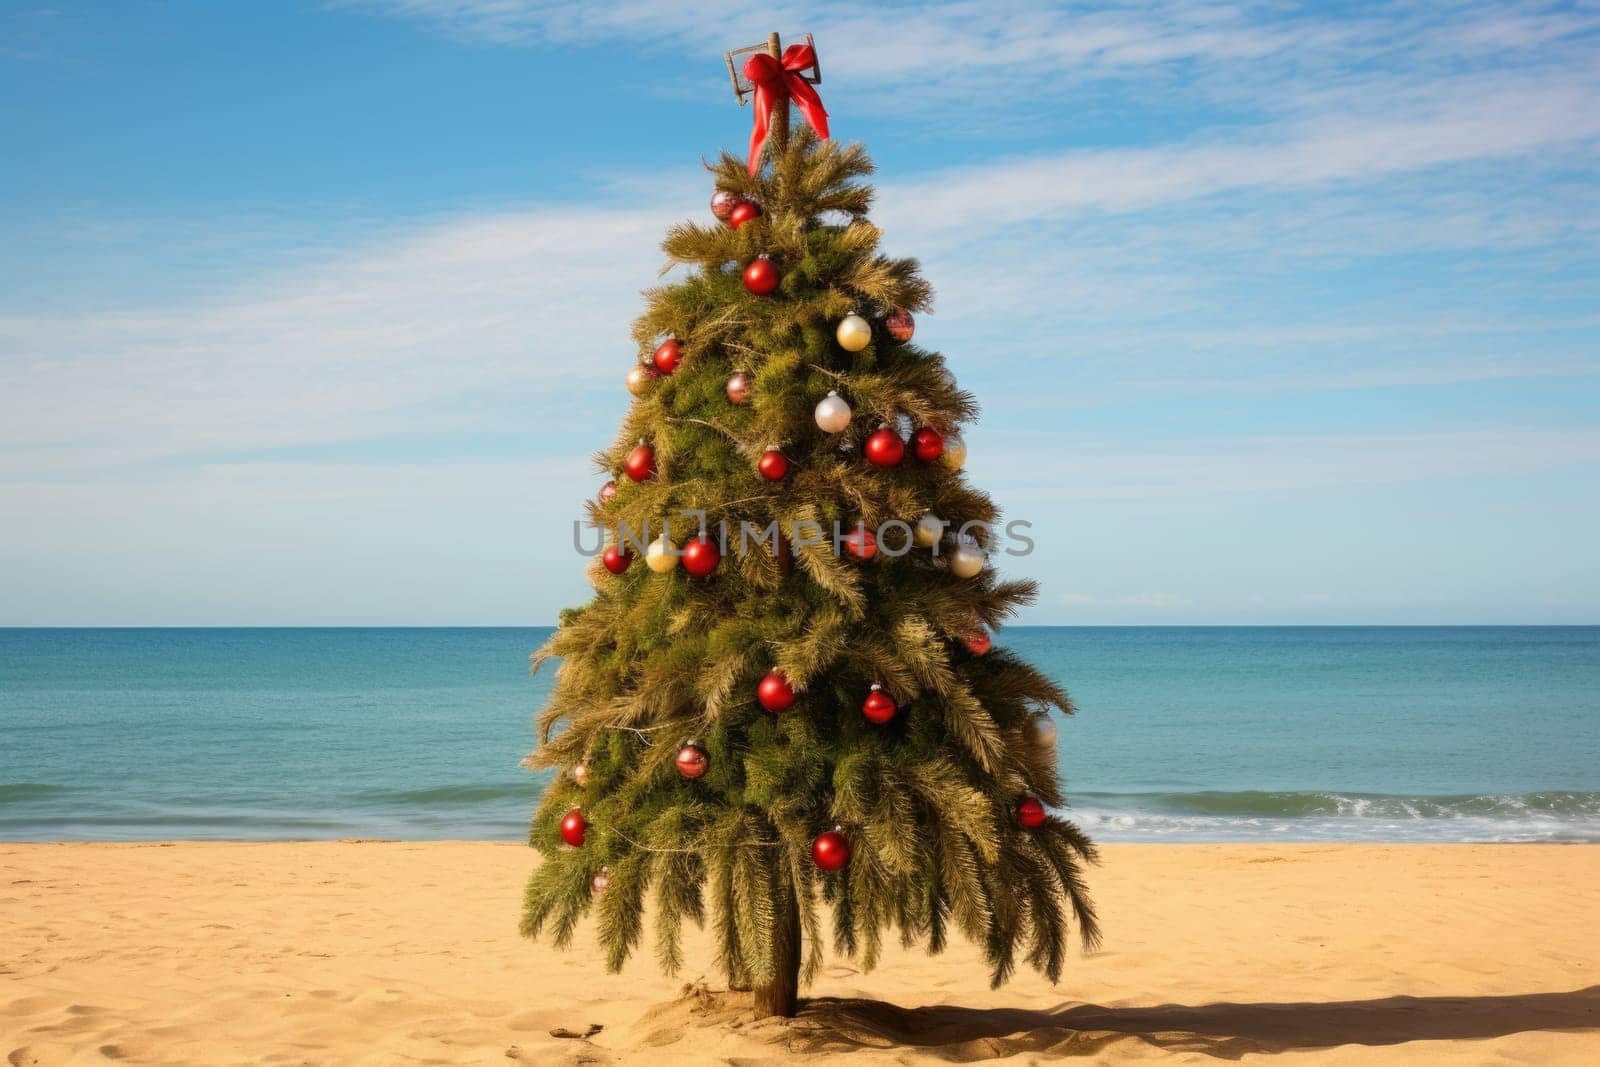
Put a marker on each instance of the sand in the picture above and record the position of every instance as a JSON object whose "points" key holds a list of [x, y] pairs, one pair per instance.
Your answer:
{"points": [[386, 953]]}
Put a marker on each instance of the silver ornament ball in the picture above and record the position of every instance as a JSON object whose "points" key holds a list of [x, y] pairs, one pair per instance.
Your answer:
{"points": [[832, 414]]}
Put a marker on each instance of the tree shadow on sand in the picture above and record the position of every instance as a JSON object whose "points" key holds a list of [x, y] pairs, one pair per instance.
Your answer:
{"points": [[1227, 1031]]}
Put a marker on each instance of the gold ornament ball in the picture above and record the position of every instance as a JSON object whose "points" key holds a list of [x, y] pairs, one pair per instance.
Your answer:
{"points": [[639, 379], [659, 556], [832, 414], [967, 560], [955, 450], [854, 333], [580, 773], [928, 530]]}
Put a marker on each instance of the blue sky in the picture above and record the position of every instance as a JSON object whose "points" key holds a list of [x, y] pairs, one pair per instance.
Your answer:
{"points": [[314, 313]]}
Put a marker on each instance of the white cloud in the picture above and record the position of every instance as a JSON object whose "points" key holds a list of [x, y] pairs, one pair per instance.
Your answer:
{"points": [[885, 42], [468, 325], [1503, 29], [446, 328], [1505, 122], [961, 59]]}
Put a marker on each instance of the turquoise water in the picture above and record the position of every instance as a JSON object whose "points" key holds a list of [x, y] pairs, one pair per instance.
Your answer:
{"points": [[1394, 734]]}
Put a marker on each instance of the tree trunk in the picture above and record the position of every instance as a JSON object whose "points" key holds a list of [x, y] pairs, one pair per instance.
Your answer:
{"points": [[780, 995]]}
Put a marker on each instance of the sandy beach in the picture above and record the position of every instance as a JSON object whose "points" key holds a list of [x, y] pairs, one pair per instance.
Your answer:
{"points": [[397, 952]]}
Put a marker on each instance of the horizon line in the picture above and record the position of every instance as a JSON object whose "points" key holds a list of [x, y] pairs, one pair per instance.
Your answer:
{"points": [[1018, 626]]}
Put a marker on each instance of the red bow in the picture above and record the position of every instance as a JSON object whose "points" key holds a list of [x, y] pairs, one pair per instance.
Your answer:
{"points": [[776, 81]]}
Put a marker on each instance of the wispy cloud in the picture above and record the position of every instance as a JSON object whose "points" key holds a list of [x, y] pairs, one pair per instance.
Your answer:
{"points": [[470, 326], [1263, 58], [461, 325], [881, 42], [1488, 122]]}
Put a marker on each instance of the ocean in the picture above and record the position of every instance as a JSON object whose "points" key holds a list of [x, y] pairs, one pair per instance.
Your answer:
{"points": [[1183, 734]]}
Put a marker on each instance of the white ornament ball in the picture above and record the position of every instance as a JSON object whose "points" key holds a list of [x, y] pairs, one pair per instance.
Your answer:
{"points": [[832, 414], [659, 556], [602, 881], [854, 333], [967, 560], [580, 773], [955, 450], [928, 530]]}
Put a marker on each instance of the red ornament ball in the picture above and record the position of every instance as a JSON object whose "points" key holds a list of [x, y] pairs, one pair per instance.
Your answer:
{"points": [[723, 201], [761, 276], [978, 642], [616, 559], [879, 707], [860, 543], [641, 463], [773, 466], [775, 692], [668, 355], [573, 827], [927, 444], [1031, 813], [743, 212], [831, 851], [700, 556], [692, 760], [608, 492], [739, 388], [884, 447], [900, 325]]}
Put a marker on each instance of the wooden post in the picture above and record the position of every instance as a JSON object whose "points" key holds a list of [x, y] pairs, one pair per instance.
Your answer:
{"points": [[780, 110]]}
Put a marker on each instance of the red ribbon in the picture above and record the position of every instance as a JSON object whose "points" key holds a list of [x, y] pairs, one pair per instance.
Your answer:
{"points": [[777, 81]]}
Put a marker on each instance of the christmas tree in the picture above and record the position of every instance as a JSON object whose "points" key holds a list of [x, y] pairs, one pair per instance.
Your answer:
{"points": [[792, 707]]}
